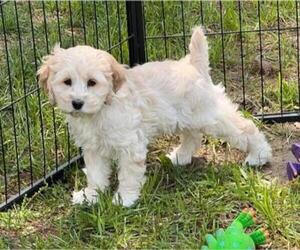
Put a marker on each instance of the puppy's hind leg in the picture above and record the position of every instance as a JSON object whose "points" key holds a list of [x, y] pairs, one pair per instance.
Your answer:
{"points": [[242, 134], [190, 142]]}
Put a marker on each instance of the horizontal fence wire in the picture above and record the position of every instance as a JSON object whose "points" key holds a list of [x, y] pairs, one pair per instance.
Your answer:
{"points": [[224, 33], [35, 142], [53, 176]]}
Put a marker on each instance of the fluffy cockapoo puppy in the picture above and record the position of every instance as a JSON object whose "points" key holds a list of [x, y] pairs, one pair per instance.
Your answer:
{"points": [[114, 112]]}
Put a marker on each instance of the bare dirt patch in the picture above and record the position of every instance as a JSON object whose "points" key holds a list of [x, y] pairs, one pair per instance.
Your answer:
{"points": [[282, 136]]}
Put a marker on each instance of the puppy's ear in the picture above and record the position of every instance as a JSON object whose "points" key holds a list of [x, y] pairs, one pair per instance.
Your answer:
{"points": [[118, 73], [44, 72], [118, 76], [43, 75]]}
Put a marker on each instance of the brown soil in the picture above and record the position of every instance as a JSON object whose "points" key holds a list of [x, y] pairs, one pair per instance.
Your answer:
{"points": [[287, 134]]}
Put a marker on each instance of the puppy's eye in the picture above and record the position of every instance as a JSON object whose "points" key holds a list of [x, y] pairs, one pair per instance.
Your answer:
{"points": [[91, 83], [68, 82]]}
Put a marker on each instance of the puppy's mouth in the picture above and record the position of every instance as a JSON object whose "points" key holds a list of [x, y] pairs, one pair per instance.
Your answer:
{"points": [[75, 113]]}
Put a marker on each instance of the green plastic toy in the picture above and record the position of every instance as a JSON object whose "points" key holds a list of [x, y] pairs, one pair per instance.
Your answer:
{"points": [[234, 236]]}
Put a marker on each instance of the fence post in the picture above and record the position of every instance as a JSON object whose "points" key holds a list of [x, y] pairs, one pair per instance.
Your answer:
{"points": [[135, 29]]}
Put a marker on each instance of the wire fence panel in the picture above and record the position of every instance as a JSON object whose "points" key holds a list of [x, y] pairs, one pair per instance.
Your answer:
{"points": [[254, 52], [254, 48]]}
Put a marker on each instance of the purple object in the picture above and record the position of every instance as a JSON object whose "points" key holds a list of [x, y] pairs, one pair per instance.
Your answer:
{"points": [[296, 150], [293, 170]]}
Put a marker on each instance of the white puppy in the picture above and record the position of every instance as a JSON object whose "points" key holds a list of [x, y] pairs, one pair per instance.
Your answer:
{"points": [[114, 112]]}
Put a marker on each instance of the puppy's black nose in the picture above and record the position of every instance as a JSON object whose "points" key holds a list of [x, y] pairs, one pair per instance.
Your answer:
{"points": [[77, 104]]}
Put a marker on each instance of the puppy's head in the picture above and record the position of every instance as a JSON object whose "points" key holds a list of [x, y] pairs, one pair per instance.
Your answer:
{"points": [[80, 79]]}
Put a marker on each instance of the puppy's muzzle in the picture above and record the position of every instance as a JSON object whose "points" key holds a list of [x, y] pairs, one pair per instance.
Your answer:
{"points": [[77, 104]]}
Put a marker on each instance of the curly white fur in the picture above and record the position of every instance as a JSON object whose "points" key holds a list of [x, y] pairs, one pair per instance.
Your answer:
{"points": [[128, 107]]}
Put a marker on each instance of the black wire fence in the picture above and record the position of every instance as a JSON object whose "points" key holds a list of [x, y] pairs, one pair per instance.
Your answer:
{"points": [[254, 51]]}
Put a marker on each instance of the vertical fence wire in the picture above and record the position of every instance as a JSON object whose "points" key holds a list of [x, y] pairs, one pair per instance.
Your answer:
{"points": [[53, 111], [73, 44], [11, 98], [279, 55], [119, 32], [83, 22], [201, 13], [108, 26], [260, 58], [85, 42], [145, 32], [71, 22], [222, 41], [242, 52], [164, 28], [45, 27], [60, 42], [58, 23], [96, 24], [25, 92], [4, 161], [183, 26], [38, 90]]}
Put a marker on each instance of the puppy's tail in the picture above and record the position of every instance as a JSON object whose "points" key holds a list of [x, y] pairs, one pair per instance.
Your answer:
{"points": [[199, 51]]}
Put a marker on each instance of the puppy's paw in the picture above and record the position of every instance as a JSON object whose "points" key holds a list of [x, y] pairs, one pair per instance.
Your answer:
{"points": [[259, 158], [87, 194], [78, 197], [178, 158], [127, 200], [252, 160]]}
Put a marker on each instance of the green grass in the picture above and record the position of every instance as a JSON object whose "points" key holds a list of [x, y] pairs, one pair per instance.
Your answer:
{"points": [[289, 94], [178, 206]]}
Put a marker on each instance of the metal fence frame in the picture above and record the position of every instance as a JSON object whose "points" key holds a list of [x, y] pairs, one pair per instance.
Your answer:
{"points": [[136, 39]]}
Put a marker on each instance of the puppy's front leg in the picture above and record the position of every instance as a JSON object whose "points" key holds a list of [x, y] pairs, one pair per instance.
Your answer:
{"points": [[131, 177], [97, 171]]}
